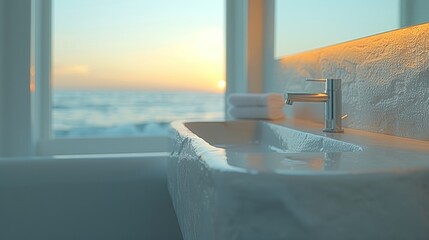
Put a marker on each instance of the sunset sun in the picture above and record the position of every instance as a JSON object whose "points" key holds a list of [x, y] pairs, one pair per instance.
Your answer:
{"points": [[221, 84]]}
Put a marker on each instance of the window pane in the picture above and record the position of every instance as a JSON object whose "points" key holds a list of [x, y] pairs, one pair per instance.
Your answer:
{"points": [[129, 67], [303, 25]]}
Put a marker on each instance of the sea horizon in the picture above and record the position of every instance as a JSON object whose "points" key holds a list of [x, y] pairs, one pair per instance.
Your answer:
{"points": [[107, 113]]}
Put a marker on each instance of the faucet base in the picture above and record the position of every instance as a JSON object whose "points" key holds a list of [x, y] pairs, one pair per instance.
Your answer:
{"points": [[328, 130]]}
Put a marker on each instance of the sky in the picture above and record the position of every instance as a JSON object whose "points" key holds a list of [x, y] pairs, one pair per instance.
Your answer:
{"points": [[139, 44], [180, 45]]}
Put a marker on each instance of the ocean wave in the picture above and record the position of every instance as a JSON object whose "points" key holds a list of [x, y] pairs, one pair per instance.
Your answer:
{"points": [[107, 114]]}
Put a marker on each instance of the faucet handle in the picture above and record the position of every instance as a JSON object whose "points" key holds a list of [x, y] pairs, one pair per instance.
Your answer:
{"points": [[317, 80], [324, 80]]}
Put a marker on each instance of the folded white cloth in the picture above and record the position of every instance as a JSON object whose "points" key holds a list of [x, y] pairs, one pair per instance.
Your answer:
{"points": [[270, 113], [256, 99]]}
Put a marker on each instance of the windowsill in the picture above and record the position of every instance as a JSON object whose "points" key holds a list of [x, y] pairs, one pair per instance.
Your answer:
{"points": [[104, 146], [112, 155], [102, 156]]}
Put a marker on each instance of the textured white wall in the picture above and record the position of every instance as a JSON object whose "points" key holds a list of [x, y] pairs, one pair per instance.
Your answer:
{"points": [[385, 81]]}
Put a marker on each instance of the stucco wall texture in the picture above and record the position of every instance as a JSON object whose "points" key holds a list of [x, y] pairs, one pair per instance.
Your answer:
{"points": [[385, 81]]}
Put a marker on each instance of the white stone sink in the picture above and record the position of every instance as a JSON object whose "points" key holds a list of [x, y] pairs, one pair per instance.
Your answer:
{"points": [[288, 180], [260, 136]]}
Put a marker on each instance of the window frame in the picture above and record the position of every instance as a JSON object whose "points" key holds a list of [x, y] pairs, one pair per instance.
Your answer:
{"points": [[249, 61], [47, 144]]}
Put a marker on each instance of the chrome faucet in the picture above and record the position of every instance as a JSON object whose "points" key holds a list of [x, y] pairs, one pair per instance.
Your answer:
{"points": [[332, 99]]}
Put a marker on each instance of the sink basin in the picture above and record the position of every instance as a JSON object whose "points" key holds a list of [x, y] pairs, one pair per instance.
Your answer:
{"points": [[287, 180], [260, 136]]}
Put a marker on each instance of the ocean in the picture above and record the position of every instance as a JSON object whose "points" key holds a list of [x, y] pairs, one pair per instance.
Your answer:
{"points": [[129, 113]]}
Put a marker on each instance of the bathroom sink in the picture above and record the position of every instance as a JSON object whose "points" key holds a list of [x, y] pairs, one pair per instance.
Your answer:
{"points": [[287, 180], [260, 136]]}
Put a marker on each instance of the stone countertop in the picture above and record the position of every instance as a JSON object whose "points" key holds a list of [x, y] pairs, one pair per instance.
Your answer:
{"points": [[380, 153]]}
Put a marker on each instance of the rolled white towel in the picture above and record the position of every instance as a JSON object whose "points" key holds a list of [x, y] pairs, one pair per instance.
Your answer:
{"points": [[256, 99], [269, 113]]}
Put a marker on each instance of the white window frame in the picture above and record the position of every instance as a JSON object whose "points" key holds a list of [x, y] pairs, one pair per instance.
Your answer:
{"points": [[26, 115], [249, 44], [15, 78], [413, 12], [46, 143]]}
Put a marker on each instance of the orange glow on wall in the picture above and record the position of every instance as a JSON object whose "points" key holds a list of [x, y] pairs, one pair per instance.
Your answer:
{"points": [[32, 79]]}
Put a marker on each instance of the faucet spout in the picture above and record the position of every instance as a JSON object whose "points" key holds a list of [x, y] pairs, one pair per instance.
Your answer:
{"points": [[305, 97]]}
